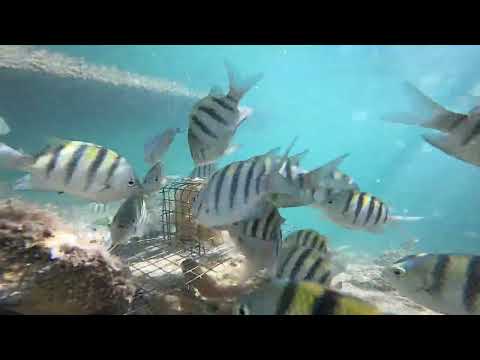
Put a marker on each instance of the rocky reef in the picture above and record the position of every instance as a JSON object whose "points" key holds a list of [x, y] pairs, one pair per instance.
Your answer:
{"points": [[47, 268]]}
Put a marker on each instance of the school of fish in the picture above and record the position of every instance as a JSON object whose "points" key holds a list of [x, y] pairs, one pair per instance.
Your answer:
{"points": [[244, 198]]}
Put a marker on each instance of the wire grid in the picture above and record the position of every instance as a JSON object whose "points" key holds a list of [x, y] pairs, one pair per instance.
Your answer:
{"points": [[157, 259]]}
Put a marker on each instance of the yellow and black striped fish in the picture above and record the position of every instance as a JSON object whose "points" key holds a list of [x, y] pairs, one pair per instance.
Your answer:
{"points": [[303, 263], [447, 283], [360, 210], [78, 168], [300, 298], [307, 238]]}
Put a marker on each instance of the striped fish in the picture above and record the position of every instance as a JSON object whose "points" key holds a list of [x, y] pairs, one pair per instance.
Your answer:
{"points": [[447, 283], [314, 185], [203, 171], [279, 297], [461, 138], [240, 191], [258, 239], [214, 119], [303, 263], [307, 238], [361, 211], [78, 168]]}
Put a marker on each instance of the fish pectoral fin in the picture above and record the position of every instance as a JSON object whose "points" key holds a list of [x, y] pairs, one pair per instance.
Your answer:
{"points": [[231, 149], [105, 187], [245, 113]]}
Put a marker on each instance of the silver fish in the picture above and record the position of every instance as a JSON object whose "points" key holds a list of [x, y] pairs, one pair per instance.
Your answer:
{"points": [[156, 147], [78, 168], [215, 119], [360, 211], [240, 191], [447, 283], [462, 131], [155, 179], [129, 220]]}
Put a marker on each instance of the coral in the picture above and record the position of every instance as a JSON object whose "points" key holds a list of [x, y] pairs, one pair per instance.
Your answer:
{"points": [[48, 269]]}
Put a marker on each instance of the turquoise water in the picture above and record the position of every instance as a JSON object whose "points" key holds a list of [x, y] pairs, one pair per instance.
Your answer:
{"points": [[333, 98]]}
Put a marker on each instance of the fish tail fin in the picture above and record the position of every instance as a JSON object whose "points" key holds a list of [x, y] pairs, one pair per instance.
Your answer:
{"points": [[24, 183], [239, 86], [13, 159], [427, 112]]}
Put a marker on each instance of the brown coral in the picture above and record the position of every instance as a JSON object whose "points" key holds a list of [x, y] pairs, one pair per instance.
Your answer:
{"points": [[46, 269]]}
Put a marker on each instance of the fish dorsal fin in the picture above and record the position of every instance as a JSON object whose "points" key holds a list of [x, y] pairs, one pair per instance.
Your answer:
{"points": [[295, 159], [272, 152], [55, 141], [216, 91], [315, 177]]}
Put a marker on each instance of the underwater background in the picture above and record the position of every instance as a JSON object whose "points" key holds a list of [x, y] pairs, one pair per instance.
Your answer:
{"points": [[331, 97]]}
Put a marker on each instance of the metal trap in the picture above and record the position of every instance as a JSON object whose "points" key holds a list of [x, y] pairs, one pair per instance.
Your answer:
{"points": [[174, 239]]}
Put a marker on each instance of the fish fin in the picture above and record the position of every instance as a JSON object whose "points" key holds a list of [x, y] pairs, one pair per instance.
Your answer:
{"points": [[24, 183], [14, 159], [231, 149], [442, 143], [54, 141], [105, 187], [285, 155], [239, 86], [276, 183], [439, 117], [272, 152], [216, 91], [295, 159], [245, 112], [324, 172]]}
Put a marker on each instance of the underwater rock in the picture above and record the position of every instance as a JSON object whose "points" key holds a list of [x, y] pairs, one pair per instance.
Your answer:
{"points": [[45, 268]]}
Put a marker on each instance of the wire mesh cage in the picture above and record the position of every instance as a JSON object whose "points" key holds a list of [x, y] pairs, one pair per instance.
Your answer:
{"points": [[176, 254]]}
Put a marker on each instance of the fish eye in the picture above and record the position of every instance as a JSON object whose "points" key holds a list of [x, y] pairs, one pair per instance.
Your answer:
{"points": [[131, 183], [156, 179], [397, 271]]}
